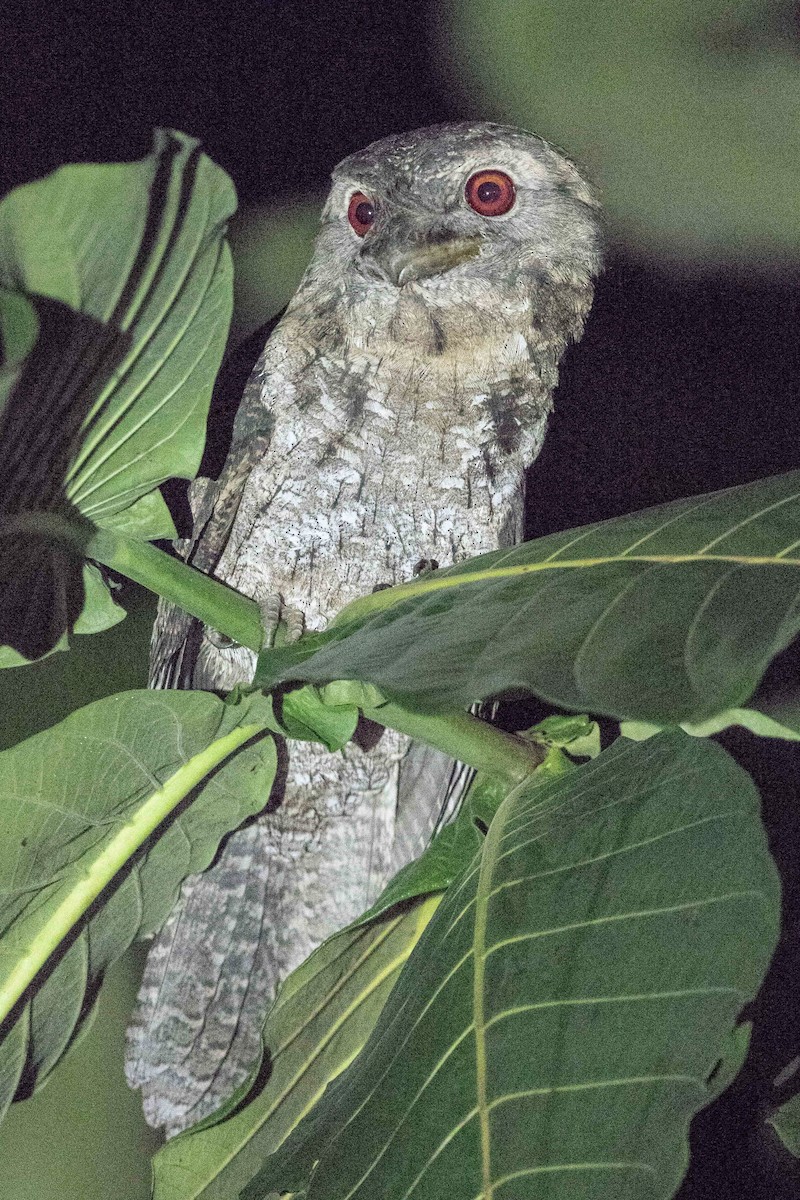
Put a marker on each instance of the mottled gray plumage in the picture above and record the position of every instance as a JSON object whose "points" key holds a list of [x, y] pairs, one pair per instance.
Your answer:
{"points": [[389, 420]]}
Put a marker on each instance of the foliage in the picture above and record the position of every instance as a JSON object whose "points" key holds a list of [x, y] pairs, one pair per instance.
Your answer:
{"points": [[568, 927], [580, 940], [668, 615], [117, 295], [80, 803]]}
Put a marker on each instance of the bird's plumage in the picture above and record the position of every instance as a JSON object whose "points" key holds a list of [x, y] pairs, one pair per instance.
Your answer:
{"points": [[389, 421]]}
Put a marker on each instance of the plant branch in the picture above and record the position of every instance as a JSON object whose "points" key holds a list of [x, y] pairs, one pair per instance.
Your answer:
{"points": [[465, 738], [212, 602]]}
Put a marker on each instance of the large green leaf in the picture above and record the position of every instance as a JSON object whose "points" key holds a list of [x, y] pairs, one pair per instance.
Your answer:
{"points": [[557, 1024], [324, 1014], [139, 248], [93, 847], [667, 615], [131, 279]]}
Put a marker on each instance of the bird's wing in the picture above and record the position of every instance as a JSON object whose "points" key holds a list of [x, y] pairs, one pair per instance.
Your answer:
{"points": [[271, 895], [186, 1020], [176, 638], [430, 789]]}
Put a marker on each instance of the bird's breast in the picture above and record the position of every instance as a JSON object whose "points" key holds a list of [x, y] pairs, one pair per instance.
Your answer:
{"points": [[385, 455], [337, 509]]}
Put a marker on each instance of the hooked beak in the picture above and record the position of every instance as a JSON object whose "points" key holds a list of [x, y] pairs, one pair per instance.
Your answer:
{"points": [[421, 261]]}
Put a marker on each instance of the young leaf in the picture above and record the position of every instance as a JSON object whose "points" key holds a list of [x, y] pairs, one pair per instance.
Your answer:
{"points": [[577, 734], [667, 615], [87, 862], [305, 716], [555, 1027]]}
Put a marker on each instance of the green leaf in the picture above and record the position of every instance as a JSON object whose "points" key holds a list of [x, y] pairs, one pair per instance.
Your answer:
{"points": [[322, 1017], [786, 1123], [305, 715], [99, 612], [93, 846], [147, 518], [139, 248], [556, 1025], [19, 328], [667, 615], [579, 735], [132, 283]]}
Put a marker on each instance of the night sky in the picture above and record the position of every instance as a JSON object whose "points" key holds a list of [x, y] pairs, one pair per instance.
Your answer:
{"points": [[683, 383]]}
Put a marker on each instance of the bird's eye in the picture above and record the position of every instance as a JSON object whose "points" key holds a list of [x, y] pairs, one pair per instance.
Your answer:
{"points": [[490, 193], [360, 212]]}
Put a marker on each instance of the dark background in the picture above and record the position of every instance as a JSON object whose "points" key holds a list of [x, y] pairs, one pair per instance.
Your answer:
{"points": [[685, 381], [687, 377]]}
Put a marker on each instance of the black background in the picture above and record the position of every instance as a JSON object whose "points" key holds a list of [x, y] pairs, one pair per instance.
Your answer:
{"points": [[683, 383]]}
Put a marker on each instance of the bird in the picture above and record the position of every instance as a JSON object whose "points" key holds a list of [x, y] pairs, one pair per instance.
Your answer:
{"points": [[385, 430]]}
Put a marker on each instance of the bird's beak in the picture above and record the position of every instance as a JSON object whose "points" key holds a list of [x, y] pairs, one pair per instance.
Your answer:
{"points": [[421, 261]]}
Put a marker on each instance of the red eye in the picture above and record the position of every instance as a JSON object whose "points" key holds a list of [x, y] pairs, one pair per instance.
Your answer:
{"points": [[490, 193], [360, 213]]}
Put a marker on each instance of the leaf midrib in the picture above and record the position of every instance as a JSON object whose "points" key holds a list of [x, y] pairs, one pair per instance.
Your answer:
{"points": [[489, 859], [79, 893], [389, 597]]}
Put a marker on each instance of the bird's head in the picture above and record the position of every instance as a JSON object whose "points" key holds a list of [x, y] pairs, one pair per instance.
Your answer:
{"points": [[440, 206]]}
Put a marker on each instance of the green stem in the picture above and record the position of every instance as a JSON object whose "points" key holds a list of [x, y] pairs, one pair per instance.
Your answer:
{"points": [[89, 883], [73, 532], [459, 735], [465, 738], [212, 602]]}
